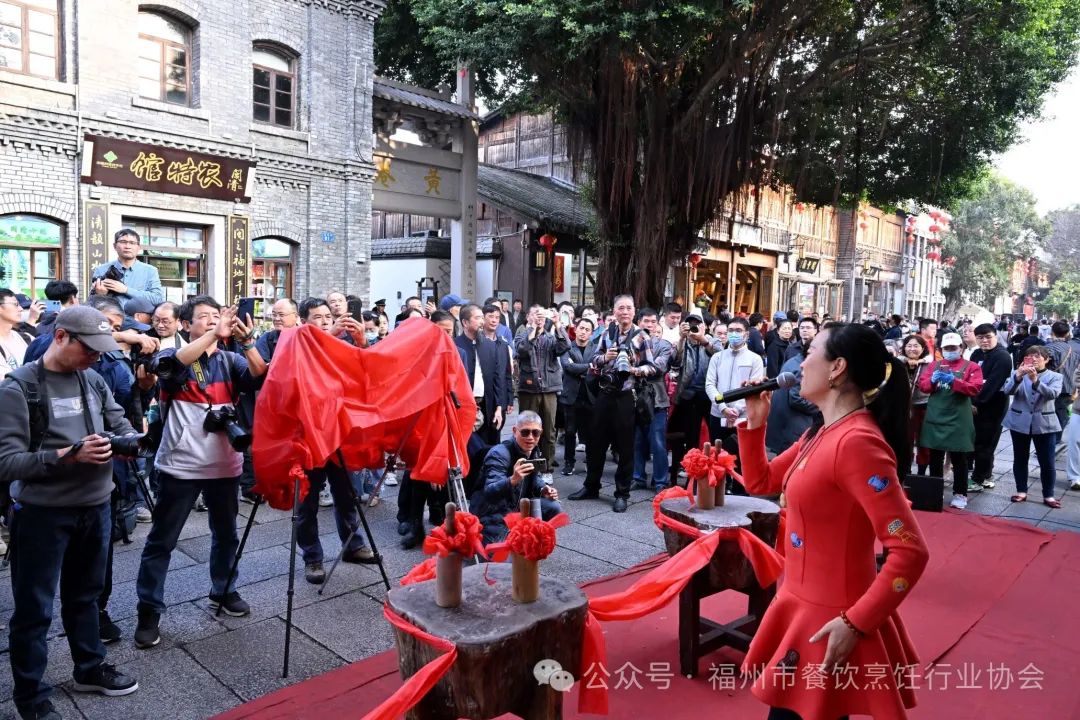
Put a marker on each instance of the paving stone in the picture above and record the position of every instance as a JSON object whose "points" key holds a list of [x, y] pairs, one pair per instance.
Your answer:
{"points": [[260, 646], [598, 544], [262, 535], [61, 700], [351, 625]]}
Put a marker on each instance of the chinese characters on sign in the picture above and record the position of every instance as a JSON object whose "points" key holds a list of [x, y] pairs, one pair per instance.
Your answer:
{"points": [[558, 283], [236, 258], [95, 234], [120, 163]]}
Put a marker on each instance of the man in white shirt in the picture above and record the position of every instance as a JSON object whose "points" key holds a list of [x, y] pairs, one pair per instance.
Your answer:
{"points": [[13, 344], [671, 324], [729, 369]]}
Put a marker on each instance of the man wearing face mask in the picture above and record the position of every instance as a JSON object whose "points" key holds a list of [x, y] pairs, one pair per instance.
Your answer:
{"points": [[949, 426]]}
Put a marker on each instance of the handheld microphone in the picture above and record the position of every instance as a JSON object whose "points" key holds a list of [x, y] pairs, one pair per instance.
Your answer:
{"points": [[782, 381]]}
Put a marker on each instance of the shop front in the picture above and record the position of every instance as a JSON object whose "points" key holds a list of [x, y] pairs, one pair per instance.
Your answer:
{"points": [[31, 250], [735, 281]]}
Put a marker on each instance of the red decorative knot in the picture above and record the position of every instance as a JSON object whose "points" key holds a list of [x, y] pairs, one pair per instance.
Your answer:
{"points": [[531, 538], [712, 468], [467, 539]]}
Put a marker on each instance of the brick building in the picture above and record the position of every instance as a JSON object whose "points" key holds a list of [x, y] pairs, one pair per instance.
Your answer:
{"points": [[235, 137]]}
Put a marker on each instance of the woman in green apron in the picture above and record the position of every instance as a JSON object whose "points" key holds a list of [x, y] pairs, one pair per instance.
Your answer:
{"points": [[949, 426]]}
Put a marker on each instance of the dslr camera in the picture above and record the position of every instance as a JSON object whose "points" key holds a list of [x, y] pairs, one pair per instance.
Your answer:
{"points": [[224, 419], [132, 445]]}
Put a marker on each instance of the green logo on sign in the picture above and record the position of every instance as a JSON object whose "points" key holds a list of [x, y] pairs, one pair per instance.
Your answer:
{"points": [[110, 156]]}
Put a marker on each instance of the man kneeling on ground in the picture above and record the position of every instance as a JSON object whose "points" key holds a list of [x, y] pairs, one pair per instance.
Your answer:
{"points": [[509, 475]]}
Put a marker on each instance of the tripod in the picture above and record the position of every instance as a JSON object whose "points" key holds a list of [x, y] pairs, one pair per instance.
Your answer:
{"points": [[359, 505]]}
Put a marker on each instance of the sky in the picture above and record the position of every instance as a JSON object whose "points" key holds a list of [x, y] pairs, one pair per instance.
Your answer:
{"points": [[1045, 161]]}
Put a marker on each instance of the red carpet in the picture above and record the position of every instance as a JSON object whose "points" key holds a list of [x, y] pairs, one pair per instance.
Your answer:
{"points": [[996, 594]]}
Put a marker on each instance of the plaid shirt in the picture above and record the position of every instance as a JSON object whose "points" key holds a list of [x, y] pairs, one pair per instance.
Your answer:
{"points": [[641, 354]]}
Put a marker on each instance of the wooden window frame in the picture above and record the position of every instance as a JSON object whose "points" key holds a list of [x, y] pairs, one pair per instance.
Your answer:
{"points": [[163, 44], [274, 74], [26, 8]]}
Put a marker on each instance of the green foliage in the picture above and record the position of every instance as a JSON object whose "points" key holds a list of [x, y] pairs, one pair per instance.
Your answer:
{"points": [[1064, 297], [678, 103], [1063, 245], [991, 229]]}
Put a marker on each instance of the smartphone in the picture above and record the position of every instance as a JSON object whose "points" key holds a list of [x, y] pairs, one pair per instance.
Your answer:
{"points": [[245, 308], [356, 309], [52, 306], [540, 465]]}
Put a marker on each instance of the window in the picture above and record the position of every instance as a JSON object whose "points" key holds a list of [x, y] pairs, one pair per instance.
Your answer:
{"points": [[164, 59], [271, 272], [29, 253], [28, 37], [274, 86], [179, 254]]}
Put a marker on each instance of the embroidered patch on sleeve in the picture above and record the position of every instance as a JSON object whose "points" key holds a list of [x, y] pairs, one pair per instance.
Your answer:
{"points": [[878, 483], [900, 584], [897, 530]]}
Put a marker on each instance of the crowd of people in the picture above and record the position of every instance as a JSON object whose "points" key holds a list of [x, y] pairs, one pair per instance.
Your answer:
{"points": [[119, 401]]}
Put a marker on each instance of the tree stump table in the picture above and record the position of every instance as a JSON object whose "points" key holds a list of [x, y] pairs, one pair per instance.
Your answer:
{"points": [[499, 643], [728, 570]]}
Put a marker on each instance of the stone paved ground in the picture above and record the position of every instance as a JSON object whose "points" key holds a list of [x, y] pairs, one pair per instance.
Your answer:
{"points": [[206, 665]]}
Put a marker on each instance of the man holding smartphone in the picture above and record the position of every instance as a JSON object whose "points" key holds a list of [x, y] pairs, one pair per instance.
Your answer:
{"points": [[511, 472]]}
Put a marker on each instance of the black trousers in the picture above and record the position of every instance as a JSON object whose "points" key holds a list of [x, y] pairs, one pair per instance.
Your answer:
{"points": [[412, 496], [987, 434], [960, 462], [684, 429], [578, 426], [612, 426]]}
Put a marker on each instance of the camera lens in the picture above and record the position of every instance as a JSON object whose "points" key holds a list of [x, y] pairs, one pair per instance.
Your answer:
{"points": [[125, 445], [239, 438]]}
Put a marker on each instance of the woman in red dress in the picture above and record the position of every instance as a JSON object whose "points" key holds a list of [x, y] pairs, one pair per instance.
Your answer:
{"points": [[831, 644]]}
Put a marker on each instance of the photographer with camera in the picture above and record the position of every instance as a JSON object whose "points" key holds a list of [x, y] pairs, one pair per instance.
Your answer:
{"points": [[55, 417], [690, 362], [201, 451], [538, 347], [513, 470], [126, 277], [623, 354]]}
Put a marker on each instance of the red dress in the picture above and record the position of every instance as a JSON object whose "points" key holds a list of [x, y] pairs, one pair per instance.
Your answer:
{"points": [[842, 492]]}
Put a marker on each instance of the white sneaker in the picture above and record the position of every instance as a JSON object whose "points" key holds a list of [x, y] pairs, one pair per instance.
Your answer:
{"points": [[1075, 486], [959, 502], [325, 498], [580, 447], [390, 479], [142, 515], [3, 547], [988, 484]]}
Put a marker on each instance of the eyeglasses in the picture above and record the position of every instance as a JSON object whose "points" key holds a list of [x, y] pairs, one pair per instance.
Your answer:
{"points": [[530, 432], [126, 242]]}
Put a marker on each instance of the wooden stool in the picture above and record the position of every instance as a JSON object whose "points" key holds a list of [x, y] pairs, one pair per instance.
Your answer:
{"points": [[729, 570], [499, 643]]}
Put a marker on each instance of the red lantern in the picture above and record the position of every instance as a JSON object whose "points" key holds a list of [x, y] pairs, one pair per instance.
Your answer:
{"points": [[933, 240], [933, 255], [910, 238], [800, 206], [695, 258], [935, 214], [548, 241], [863, 225], [935, 228], [951, 262]]}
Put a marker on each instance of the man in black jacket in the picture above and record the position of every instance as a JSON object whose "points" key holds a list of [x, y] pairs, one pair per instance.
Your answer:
{"points": [[1066, 360], [484, 361], [538, 346], [991, 404], [576, 397]]}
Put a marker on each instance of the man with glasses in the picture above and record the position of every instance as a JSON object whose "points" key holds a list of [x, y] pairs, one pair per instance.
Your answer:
{"points": [[126, 277], [54, 414], [284, 315], [165, 325], [13, 344], [509, 475]]}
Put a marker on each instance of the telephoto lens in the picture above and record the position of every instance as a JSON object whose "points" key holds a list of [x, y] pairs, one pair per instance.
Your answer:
{"points": [[622, 362], [131, 445]]}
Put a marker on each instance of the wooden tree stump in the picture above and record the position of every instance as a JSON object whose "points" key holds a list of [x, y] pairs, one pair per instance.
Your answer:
{"points": [[728, 570], [499, 643]]}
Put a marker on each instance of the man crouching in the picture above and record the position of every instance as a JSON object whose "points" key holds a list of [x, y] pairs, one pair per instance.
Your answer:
{"points": [[510, 474]]}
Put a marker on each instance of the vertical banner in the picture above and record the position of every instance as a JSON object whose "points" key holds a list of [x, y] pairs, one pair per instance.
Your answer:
{"points": [[237, 258], [95, 240], [559, 273]]}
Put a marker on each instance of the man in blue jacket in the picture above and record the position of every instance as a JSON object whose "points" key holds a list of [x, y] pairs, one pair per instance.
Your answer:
{"points": [[509, 476]]}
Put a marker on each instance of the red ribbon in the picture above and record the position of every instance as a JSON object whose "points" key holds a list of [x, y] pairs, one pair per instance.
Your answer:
{"points": [[530, 537], [466, 541], [713, 467], [416, 687], [420, 573]]}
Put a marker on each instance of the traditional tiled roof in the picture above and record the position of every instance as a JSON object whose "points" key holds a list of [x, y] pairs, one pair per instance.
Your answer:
{"points": [[429, 247], [387, 91], [541, 201]]}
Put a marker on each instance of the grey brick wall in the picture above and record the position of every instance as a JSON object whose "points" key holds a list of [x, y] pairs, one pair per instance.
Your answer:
{"points": [[313, 178]]}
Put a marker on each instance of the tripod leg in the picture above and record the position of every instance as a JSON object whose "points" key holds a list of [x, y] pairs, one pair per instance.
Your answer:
{"points": [[141, 480], [371, 543], [292, 576], [240, 547]]}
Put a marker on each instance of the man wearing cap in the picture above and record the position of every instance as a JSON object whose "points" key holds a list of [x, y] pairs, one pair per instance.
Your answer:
{"points": [[53, 416], [139, 309], [949, 426], [452, 304], [991, 404], [136, 278], [690, 362]]}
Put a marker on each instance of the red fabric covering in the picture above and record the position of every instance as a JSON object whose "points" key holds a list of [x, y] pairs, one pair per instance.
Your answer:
{"points": [[416, 687], [1013, 611], [322, 394]]}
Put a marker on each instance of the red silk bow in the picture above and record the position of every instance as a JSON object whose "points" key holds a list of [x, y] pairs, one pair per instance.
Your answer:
{"points": [[421, 572], [532, 538], [466, 540], [713, 466]]}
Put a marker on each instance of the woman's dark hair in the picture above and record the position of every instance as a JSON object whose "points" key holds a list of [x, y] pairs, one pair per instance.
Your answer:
{"points": [[919, 339], [867, 360], [1039, 350]]}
